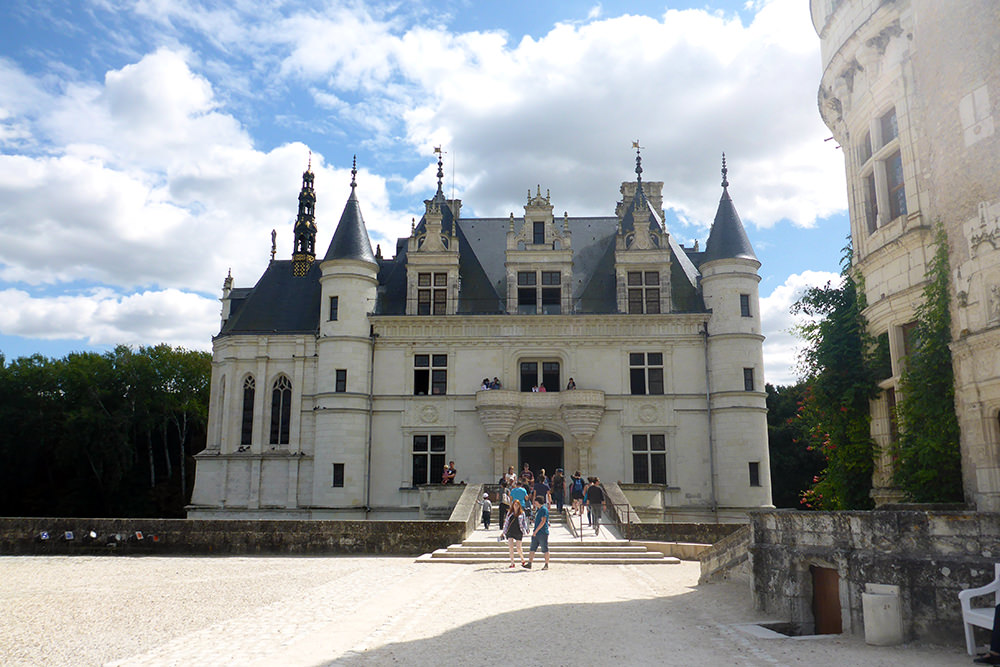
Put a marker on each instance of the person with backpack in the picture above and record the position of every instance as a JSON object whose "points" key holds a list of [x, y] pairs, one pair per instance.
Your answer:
{"points": [[576, 492], [558, 489], [595, 503]]}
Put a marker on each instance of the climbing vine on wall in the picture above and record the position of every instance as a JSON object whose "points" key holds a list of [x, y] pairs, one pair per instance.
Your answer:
{"points": [[834, 413], [929, 467]]}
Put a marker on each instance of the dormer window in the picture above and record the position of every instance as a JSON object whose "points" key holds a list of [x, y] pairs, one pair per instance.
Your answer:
{"points": [[529, 294], [538, 233], [432, 293], [643, 292]]}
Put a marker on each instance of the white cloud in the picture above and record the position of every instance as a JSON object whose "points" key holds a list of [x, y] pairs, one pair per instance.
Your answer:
{"points": [[102, 317], [781, 347]]}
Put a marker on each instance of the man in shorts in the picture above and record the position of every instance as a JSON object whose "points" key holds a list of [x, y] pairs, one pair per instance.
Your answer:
{"points": [[540, 534]]}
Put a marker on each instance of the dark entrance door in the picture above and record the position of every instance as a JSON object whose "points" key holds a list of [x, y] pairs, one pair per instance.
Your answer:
{"points": [[826, 600], [540, 449]]}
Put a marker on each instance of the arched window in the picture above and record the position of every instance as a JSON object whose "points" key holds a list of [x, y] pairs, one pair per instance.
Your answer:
{"points": [[246, 428], [281, 410]]}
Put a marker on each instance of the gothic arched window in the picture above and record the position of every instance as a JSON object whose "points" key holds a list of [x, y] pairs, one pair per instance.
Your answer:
{"points": [[246, 428], [281, 410]]}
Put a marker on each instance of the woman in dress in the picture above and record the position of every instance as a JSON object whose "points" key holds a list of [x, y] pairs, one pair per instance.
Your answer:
{"points": [[514, 529]]}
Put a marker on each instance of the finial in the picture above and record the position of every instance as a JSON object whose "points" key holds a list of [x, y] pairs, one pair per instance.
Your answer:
{"points": [[354, 172], [440, 174], [310, 163], [725, 172], [546, 194], [413, 225], [638, 160], [274, 243], [539, 190]]}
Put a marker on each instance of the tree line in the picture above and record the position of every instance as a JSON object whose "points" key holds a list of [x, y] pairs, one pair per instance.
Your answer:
{"points": [[102, 435]]}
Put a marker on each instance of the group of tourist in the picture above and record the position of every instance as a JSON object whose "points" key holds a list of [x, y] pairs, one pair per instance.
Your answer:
{"points": [[491, 384], [524, 503]]}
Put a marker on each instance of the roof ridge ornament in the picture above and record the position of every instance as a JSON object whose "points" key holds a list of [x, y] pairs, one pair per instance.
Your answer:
{"points": [[354, 172], [725, 172], [440, 175]]}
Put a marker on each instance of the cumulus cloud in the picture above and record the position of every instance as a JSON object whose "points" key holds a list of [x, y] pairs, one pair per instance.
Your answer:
{"points": [[781, 348], [101, 317]]}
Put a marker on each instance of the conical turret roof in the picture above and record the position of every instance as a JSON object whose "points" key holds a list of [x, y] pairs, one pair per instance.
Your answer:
{"points": [[350, 241], [728, 239]]}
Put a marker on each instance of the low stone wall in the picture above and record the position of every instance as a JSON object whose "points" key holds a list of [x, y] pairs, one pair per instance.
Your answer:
{"points": [[701, 533], [21, 536], [930, 555], [728, 558]]}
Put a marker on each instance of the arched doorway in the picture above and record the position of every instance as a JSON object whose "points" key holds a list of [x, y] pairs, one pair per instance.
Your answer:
{"points": [[540, 449]]}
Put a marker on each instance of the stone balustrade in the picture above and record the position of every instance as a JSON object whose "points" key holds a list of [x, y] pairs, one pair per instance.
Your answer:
{"points": [[501, 409]]}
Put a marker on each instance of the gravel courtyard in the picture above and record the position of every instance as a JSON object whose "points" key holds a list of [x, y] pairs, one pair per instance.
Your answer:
{"points": [[379, 611]]}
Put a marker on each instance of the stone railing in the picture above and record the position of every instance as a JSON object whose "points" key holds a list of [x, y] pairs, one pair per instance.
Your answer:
{"points": [[580, 409]]}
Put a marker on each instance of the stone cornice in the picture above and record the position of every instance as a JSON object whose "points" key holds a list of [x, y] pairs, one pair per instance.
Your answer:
{"points": [[493, 328]]}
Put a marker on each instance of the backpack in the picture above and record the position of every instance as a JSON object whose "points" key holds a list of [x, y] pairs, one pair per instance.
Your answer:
{"points": [[578, 484]]}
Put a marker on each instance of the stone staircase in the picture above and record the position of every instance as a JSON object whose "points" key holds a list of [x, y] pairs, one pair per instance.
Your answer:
{"points": [[564, 547]]}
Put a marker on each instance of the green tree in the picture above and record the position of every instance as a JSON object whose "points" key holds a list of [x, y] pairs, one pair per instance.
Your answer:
{"points": [[929, 462], [794, 466], [834, 416]]}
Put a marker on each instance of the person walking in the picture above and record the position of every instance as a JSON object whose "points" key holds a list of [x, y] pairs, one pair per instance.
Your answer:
{"points": [[558, 490], [576, 492], [514, 529], [595, 502], [505, 501], [487, 510], [540, 534]]}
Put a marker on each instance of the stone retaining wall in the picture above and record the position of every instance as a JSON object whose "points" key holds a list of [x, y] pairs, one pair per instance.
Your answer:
{"points": [[930, 555], [700, 533], [727, 559], [21, 536]]}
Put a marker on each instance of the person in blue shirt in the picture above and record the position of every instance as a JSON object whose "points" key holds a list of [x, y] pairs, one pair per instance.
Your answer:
{"points": [[540, 533], [520, 494]]}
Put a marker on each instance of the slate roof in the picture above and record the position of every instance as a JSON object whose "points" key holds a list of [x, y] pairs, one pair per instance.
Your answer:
{"points": [[283, 303], [350, 241], [279, 303], [728, 239]]}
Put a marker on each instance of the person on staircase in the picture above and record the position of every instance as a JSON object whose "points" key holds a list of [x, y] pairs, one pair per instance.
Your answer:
{"points": [[595, 502], [558, 491], [514, 529], [505, 502], [540, 534], [576, 492]]}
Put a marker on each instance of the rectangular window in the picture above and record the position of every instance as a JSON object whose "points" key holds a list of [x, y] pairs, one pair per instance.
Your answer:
{"points": [[338, 475], [871, 203], [428, 459], [538, 233], [341, 384], [424, 302], [333, 308], [527, 301], [440, 301], [649, 458], [423, 280], [526, 277], [643, 292], [645, 373], [744, 305], [551, 303], [551, 277], [748, 379], [430, 374], [432, 301], [890, 406], [889, 126], [537, 373], [895, 186], [754, 469]]}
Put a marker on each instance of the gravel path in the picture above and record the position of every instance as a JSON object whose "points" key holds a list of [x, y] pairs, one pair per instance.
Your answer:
{"points": [[378, 611]]}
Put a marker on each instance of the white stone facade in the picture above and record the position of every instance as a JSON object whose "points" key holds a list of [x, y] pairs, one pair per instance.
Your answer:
{"points": [[371, 391], [910, 89]]}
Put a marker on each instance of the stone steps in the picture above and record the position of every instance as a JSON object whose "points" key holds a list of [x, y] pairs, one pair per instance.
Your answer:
{"points": [[611, 552]]}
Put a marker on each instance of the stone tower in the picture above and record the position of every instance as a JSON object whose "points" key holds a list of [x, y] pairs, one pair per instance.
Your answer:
{"points": [[735, 361], [910, 90], [344, 366]]}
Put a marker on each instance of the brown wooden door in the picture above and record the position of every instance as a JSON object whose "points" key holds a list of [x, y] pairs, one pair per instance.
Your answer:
{"points": [[826, 600]]}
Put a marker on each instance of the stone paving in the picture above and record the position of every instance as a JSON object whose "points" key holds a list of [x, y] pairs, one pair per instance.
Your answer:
{"points": [[381, 610]]}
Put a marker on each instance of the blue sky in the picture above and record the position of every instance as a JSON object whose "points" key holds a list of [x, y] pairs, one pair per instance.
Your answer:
{"points": [[148, 147]]}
